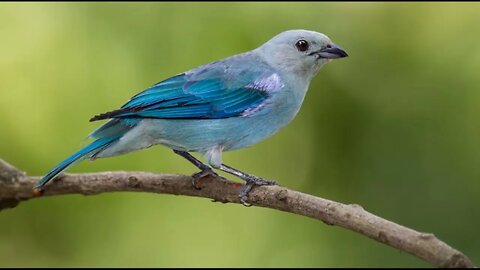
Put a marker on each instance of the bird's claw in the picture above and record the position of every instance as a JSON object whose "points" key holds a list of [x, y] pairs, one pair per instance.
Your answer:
{"points": [[203, 173], [251, 182]]}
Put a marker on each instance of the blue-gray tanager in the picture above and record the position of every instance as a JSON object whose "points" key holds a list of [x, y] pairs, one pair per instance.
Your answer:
{"points": [[224, 105]]}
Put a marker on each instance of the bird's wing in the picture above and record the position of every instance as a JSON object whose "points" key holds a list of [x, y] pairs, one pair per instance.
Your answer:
{"points": [[212, 92]]}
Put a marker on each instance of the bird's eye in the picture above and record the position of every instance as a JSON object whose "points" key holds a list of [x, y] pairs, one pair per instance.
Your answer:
{"points": [[302, 45]]}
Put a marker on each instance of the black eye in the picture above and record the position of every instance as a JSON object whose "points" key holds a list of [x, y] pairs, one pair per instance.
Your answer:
{"points": [[302, 45]]}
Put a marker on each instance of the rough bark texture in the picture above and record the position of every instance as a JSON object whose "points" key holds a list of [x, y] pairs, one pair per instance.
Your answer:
{"points": [[16, 186]]}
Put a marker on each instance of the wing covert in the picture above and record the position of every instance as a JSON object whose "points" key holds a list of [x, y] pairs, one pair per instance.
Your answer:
{"points": [[207, 93]]}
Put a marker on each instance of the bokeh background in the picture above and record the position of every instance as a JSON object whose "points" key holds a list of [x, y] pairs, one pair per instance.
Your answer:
{"points": [[395, 128]]}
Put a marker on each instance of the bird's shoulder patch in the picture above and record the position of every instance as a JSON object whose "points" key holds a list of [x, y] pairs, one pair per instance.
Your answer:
{"points": [[267, 84]]}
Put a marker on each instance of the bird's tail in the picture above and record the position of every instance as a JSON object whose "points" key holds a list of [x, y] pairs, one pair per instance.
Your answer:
{"points": [[105, 136], [88, 151]]}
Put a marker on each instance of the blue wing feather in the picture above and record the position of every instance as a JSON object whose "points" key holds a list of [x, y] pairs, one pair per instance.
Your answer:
{"points": [[210, 93]]}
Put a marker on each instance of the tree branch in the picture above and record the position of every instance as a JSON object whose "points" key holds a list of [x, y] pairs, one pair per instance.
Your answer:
{"points": [[16, 186]]}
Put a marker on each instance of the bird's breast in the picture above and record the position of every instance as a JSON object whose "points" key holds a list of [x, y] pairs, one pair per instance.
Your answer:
{"points": [[275, 114]]}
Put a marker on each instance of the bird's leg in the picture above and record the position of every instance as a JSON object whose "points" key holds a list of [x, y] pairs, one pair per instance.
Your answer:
{"points": [[205, 170], [250, 179]]}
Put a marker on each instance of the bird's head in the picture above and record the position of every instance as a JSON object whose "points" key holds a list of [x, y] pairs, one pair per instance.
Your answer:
{"points": [[300, 51]]}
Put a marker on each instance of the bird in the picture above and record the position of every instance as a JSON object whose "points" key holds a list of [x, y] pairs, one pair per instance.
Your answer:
{"points": [[225, 105]]}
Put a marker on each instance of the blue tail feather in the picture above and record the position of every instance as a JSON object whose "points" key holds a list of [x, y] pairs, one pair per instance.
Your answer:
{"points": [[105, 136], [85, 152]]}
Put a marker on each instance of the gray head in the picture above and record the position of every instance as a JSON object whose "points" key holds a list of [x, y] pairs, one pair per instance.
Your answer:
{"points": [[300, 51]]}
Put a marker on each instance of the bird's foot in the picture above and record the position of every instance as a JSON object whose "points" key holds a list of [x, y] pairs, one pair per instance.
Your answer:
{"points": [[206, 171], [251, 182]]}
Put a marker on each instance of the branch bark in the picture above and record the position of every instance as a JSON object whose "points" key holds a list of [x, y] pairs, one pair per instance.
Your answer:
{"points": [[16, 186]]}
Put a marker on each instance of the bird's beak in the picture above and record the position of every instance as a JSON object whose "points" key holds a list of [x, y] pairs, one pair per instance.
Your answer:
{"points": [[331, 53]]}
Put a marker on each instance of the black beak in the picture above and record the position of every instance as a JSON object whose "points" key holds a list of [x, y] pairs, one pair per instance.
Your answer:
{"points": [[331, 52]]}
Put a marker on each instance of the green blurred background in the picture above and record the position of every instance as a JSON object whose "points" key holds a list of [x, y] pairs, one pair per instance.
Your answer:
{"points": [[395, 128]]}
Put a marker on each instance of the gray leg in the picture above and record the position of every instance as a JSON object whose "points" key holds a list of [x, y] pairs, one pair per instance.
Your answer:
{"points": [[205, 170], [250, 179]]}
